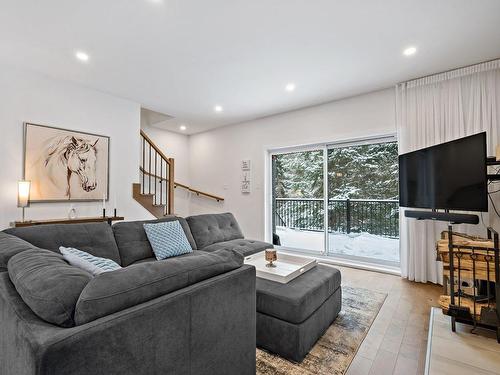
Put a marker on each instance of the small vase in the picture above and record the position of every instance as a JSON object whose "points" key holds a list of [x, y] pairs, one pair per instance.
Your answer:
{"points": [[72, 213]]}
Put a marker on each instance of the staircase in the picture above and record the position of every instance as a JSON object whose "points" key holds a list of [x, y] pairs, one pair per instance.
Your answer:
{"points": [[155, 192]]}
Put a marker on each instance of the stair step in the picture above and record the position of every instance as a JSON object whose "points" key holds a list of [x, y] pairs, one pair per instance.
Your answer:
{"points": [[159, 205]]}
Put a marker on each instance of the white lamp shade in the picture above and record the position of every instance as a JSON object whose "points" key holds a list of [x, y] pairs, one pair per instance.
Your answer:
{"points": [[23, 193]]}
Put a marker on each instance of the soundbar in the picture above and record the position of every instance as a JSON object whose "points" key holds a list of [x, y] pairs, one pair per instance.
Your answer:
{"points": [[443, 216]]}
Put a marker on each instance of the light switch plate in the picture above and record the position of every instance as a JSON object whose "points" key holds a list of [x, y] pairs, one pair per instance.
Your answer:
{"points": [[245, 165]]}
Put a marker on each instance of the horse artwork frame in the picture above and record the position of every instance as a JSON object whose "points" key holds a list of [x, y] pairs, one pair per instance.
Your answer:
{"points": [[65, 165]]}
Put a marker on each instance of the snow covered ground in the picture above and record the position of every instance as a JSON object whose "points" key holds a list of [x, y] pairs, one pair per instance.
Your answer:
{"points": [[358, 244]]}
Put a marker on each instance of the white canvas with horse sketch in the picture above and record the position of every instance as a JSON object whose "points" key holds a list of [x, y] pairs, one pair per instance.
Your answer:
{"points": [[65, 165]]}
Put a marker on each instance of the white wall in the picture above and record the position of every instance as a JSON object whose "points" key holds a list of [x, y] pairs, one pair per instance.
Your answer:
{"points": [[30, 97], [176, 146], [215, 156]]}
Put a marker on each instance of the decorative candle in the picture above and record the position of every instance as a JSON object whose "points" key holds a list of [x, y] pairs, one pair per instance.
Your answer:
{"points": [[271, 256]]}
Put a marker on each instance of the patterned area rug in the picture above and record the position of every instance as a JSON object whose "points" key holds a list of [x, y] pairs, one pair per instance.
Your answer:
{"points": [[333, 352]]}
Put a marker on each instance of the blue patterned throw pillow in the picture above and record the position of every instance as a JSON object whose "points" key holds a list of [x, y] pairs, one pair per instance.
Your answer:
{"points": [[167, 239], [87, 262]]}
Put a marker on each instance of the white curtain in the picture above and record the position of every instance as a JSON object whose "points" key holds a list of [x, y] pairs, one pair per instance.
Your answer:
{"points": [[433, 110]]}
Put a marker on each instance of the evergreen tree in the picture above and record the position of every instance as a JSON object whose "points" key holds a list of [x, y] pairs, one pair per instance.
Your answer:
{"points": [[355, 172]]}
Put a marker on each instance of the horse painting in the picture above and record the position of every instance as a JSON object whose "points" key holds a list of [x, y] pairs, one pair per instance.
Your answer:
{"points": [[72, 155], [66, 167]]}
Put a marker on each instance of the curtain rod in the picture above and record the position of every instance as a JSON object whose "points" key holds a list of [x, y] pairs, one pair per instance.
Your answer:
{"points": [[448, 71]]}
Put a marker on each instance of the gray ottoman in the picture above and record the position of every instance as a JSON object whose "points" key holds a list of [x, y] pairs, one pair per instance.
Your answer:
{"points": [[292, 317]]}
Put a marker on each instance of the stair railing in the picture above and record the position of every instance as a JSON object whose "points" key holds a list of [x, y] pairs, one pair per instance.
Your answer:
{"points": [[157, 174]]}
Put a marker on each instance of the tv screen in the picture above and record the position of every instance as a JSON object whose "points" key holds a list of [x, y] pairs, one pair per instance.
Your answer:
{"points": [[450, 175]]}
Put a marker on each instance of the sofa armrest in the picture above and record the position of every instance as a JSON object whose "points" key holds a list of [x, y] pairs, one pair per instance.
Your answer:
{"points": [[206, 328]]}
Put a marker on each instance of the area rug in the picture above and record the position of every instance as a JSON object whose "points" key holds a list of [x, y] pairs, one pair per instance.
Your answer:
{"points": [[333, 353]]}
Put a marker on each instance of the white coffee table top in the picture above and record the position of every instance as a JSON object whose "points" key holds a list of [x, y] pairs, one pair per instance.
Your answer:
{"points": [[288, 267]]}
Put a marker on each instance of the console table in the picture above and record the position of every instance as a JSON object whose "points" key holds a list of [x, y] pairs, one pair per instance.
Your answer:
{"points": [[79, 220]]}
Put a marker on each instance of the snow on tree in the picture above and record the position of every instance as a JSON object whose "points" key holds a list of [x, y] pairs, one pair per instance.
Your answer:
{"points": [[355, 172]]}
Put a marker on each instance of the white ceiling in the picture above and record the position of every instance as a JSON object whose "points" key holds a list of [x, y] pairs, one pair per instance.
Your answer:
{"points": [[183, 57]]}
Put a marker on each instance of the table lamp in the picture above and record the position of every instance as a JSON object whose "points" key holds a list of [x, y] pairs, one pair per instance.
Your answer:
{"points": [[23, 194]]}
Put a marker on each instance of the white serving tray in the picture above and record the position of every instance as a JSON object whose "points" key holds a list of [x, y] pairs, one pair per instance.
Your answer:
{"points": [[288, 267]]}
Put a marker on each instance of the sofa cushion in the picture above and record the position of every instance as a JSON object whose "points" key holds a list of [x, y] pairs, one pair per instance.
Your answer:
{"points": [[114, 291], [212, 228], [47, 284], [295, 301], [94, 238], [88, 262], [167, 239], [133, 242], [10, 246], [243, 246]]}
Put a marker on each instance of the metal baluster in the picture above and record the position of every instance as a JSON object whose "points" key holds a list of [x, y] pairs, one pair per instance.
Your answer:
{"points": [[167, 189], [487, 258], [497, 277], [459, 257], [473, 257], [371, 217], [149, 169], [161, 181], [143, 163], [348, 216], [452, 274], [156, 174]]}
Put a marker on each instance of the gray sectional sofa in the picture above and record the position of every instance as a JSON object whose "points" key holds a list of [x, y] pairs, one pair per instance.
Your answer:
{"points": [[192, 314]]}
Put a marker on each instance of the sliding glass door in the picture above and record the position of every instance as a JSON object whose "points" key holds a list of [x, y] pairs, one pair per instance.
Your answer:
{"points": [[298, 199], [363, 209], [356, 182]]}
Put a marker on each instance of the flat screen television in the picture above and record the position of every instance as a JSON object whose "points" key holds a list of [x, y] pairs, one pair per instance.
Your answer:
{"points": [[449, 176]]}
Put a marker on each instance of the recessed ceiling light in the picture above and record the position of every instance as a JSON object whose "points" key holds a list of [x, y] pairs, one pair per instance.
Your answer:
{"points": [[183, 127], [218, 108], [82, 56], [290, 87], [410, 51]]}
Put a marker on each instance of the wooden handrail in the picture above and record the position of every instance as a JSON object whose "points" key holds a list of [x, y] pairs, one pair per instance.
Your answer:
{"points": [[198, 192], [178, 184], [145, 136]]}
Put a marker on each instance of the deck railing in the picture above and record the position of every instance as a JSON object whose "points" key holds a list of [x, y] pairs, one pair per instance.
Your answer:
{"points": [[378, 217]]}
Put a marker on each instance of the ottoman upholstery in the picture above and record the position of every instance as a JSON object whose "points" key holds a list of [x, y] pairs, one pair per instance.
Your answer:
{"points": [[292, 317]]}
